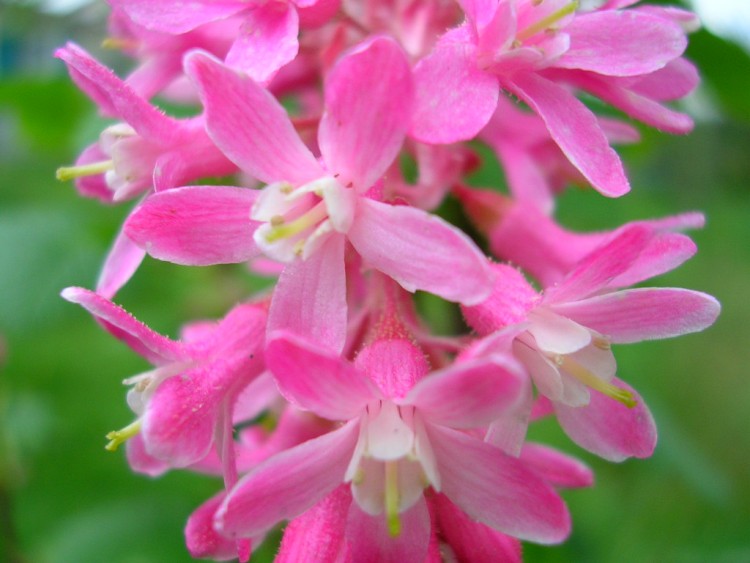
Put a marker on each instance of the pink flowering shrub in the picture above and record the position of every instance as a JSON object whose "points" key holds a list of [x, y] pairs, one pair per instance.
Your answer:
{"points": [[388, 442]]}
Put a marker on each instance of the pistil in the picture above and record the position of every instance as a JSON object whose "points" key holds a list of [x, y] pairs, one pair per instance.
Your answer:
{"points": [[546, 23], [65, 173], [392, 498], [117, 437], [598, 384]]}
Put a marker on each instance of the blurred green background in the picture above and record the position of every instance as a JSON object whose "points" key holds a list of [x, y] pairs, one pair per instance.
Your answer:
{"points": [[64, 499]]}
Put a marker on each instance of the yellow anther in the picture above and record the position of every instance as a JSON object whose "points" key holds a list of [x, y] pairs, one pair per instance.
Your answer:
{"points": [[602, 342], [598, 384], [117, 437], [276, 220], [546, 23], [65, 173]]}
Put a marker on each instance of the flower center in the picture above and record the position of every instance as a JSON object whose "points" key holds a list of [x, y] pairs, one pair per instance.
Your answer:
{"points": [[281, 229]]}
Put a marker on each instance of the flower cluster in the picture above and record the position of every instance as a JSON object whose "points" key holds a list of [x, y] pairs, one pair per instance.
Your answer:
{"points": [[328, 402]]}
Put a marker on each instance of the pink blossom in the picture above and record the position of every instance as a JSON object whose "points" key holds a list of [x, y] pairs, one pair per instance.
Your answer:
{"points": [[265, 39], [565, 336], [400, 433], [517, 46], [310, 209], [187, 399], [147, 149]]}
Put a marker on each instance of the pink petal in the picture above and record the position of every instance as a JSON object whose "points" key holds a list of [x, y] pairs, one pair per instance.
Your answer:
{"points": [[196, 225], [479, 13], [93, 186], [141, 461], [510, 302], [420, 251], [557, 468], [470, 540], [318, 531], [117, 98], [258, 396], [240, 332], [121, 263], [314, 13], [637, 106], [663, 253], [556, 333], [542, 370], [317, 380], [288, 484], [310, 297], [267, 40], [454, 98], [576, 131], [526, 178], [470, 394], [153, 346], [201, 539], [177, 16], [249, 125], [621, 43], [601, 266], [370, 541], [508, 432], [360, 135], [674, 81], [608, 428], [496, 489], [182, 414], [645, 314]]}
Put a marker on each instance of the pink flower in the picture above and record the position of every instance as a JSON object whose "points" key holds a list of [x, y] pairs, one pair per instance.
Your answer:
{"points": [[147, 149], [517, 46], [564, 338], [400, 434], [187, 400], [310, 209], [267, 36]]}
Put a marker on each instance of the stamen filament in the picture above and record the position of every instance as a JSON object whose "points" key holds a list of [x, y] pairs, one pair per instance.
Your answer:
{"points": [[304, 221], [391, 498], [589, 379], [65, 173], [119, 43], [117, 437], [546, 23]]}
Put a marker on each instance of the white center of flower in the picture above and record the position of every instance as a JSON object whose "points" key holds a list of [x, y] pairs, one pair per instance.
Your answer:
{"points": [[387, 471], [298, 220]]}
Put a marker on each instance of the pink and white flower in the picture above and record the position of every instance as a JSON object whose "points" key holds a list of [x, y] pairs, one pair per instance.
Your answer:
{"points": [[401, 432], [564, 338]]}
